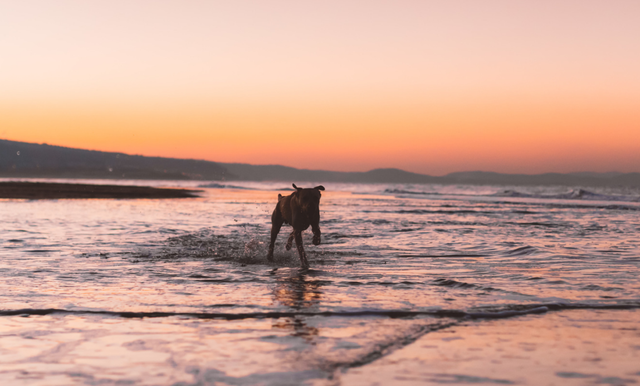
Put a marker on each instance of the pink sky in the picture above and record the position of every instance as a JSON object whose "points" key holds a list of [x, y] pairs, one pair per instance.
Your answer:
{"points": [[427, 86]]}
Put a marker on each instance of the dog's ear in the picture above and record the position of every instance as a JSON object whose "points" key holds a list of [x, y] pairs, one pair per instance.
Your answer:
{"points": [[319, 187], [295, 187]]}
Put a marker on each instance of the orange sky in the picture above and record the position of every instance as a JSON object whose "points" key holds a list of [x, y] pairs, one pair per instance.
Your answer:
{"points": [[427, 86]]}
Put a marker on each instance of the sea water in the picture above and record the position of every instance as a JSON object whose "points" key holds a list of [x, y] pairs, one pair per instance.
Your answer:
{"points": [[412, 284]]}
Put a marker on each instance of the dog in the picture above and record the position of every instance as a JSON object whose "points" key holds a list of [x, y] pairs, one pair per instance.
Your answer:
{"points": [[300, 209]]}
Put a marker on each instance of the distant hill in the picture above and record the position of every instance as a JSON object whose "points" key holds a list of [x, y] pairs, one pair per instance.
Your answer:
{"points": [[21, 159], [284, 173]]}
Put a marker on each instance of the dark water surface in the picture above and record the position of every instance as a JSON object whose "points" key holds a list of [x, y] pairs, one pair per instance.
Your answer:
{"points": [[413, 284]]}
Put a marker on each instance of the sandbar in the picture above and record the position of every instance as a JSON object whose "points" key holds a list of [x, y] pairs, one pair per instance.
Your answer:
{"points": [[48, 190]]}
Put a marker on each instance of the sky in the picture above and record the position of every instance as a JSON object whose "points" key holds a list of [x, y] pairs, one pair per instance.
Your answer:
{"points": [[430, 87]]}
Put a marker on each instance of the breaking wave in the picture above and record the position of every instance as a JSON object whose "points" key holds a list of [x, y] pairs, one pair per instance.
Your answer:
{"points": [[576, 194]]}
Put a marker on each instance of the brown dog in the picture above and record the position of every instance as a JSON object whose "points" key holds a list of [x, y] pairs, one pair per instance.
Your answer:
{"points": [[299, 209]]}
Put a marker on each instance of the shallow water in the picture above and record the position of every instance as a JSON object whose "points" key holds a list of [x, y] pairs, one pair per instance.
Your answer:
{"points": [[179, 291]]}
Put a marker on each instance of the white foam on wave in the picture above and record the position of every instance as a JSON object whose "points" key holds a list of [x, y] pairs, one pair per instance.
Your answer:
{"points": [[575, 194]]}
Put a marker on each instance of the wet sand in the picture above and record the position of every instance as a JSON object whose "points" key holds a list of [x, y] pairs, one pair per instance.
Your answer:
{"points": [[46, 190], [572, 347]]}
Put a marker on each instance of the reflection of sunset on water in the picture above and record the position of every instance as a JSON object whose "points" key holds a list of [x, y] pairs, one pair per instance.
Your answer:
{"points": [[402, 284], [297, 290]]}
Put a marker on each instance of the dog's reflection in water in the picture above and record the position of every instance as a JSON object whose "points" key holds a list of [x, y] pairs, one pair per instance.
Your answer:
{"points": [[299, 294]]}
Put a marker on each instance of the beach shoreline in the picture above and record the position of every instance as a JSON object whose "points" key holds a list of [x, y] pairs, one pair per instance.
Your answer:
{"points": [[49, 190]]}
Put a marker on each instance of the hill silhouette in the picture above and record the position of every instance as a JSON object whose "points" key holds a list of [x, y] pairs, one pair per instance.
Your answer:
{"points": [[22, 159]]}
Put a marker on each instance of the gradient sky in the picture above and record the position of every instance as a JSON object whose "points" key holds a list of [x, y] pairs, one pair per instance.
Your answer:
{"points": [[427, 86]]}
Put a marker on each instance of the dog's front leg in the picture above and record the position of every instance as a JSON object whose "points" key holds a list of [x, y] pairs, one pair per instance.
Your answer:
{"points": [[315, 228], [290, 241], [303, 255]]}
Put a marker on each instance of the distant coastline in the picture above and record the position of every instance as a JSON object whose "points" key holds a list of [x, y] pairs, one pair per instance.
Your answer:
{"points": [[30, 160]]}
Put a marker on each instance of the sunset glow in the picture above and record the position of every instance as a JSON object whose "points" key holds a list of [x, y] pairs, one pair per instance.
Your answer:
{"points": [[429, 87]]}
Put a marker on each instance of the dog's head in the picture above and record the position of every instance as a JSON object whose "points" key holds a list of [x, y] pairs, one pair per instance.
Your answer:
{"points": [[308, 199]]}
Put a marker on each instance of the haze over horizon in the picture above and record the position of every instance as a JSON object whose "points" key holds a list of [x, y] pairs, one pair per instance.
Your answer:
{"points": [[423, 86]]}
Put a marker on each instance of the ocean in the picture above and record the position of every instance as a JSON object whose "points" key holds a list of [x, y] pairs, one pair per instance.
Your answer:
{"points": [[412, 284]]}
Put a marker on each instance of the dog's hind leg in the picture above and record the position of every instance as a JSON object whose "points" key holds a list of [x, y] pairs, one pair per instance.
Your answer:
{"points": [[276, 224], [290, 241], [303, 255]]}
